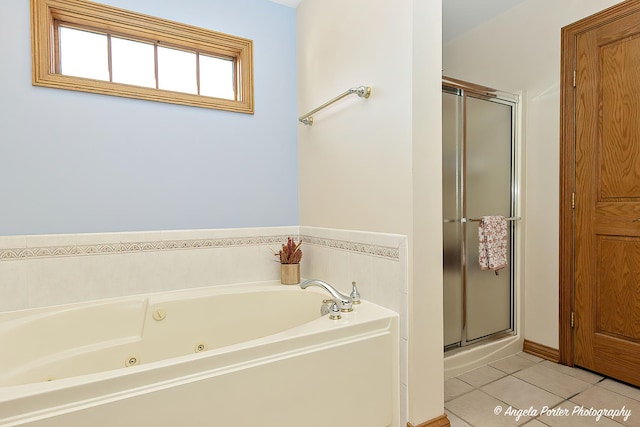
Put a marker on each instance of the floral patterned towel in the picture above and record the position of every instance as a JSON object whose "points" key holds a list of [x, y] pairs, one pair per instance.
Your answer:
{"points": [[492, 235]]}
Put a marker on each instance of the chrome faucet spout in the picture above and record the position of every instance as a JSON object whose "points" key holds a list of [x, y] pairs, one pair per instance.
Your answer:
{"points": [[344, 301]]}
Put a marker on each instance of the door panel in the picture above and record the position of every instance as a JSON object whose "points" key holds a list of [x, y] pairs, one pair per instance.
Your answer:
{"points": [[477, 172], [617, 298], [452, 125], [607, 199], [487, 192], [620, 106]]}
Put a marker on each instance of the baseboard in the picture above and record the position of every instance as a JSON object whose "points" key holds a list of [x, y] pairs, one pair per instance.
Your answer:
{"points": [[540, 350], [441, 421]]}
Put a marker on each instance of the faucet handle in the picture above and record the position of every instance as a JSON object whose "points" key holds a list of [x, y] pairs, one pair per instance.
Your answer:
{"points": [[325, 308], [334, 311], [355, 295]]}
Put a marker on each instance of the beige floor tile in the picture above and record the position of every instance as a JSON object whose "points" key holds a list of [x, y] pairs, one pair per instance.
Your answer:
{"points": [[536, 383], [481, 376], [600, 398], [512, 364], [479, 410], [455, 421], [563, 416], [521, 394], [530, 357], [620, 388], [552, 380], [535, 423], [578, 373], [454, 387]]}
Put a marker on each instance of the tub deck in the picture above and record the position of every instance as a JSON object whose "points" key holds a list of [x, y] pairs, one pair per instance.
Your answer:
{"points": [[268, 359]]}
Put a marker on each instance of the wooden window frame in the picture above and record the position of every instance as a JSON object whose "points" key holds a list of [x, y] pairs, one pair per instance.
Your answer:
{"points": [[46, 15]]}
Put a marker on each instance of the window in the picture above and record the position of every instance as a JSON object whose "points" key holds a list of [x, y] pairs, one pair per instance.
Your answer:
{"points": [[86, 46]]}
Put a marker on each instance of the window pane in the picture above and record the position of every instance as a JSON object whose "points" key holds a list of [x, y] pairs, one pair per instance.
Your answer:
{"points": [[216, 77], [177, 70], [133, 62], [83, 54]]}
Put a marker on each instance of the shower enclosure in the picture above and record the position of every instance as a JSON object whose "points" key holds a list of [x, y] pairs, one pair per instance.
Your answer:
{"points": [[479, 179]]}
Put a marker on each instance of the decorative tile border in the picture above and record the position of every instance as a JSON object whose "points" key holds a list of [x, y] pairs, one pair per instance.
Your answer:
{"points": [[172, 245], [362, 248], [133, 247]]}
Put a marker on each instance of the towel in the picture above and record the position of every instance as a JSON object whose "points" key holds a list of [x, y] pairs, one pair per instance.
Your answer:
{"points": [[492, 235]]}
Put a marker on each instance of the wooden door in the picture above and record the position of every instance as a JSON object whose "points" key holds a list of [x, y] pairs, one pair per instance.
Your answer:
{"points": [[607, 195]]}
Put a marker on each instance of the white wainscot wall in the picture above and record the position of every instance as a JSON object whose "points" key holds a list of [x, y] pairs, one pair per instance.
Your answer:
{"points": [[377, 262], [45, 270]]}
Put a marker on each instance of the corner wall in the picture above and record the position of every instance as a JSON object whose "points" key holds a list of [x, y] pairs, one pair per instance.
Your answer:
{"points": [[375, 164], [378, 263], [520, 50], [355, 161]]}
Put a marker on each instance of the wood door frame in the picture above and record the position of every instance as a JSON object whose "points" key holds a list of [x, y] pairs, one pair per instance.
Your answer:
{"points": [[567, 165]]}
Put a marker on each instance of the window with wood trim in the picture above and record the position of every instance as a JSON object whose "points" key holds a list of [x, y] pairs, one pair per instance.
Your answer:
{"points": [[90, 47]]}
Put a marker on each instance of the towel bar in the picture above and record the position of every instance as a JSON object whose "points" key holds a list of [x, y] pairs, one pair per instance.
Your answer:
{"points": [[512, 218], [361, 91]]}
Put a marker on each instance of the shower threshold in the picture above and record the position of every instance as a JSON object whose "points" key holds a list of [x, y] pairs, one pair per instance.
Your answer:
{"points": [[459, 347]]}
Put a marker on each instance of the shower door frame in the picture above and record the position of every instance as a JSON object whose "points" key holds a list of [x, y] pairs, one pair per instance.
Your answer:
{"points": [[464, 90]]}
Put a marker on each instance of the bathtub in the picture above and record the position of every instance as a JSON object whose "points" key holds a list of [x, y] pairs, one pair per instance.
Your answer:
{"points": [[240, 355]]}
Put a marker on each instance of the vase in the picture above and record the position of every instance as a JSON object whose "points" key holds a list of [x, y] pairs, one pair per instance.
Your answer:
{"points": [[289, 274]]}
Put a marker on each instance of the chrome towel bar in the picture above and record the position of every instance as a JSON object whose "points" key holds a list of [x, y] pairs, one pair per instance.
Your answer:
{"points": [[361, 91], [512, 218]]}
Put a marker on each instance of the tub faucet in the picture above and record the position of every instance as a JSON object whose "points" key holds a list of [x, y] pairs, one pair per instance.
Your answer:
{"points": [[344, 301]]}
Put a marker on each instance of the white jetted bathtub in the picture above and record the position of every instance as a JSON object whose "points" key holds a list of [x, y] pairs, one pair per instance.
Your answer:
{"points": [[240, 355]]}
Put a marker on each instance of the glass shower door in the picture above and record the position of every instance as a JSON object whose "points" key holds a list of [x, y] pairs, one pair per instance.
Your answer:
{"points": [[488, 192], [478, 180], [452, 134]]}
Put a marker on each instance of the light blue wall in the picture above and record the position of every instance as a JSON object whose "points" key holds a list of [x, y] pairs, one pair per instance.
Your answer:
{"points": [[76, 162]]}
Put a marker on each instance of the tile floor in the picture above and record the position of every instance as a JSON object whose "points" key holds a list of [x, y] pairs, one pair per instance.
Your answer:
{"points": [[526, 390]]}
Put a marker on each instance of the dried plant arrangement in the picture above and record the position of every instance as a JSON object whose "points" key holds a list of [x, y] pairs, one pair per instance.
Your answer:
{"points": [[290, 252]]}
